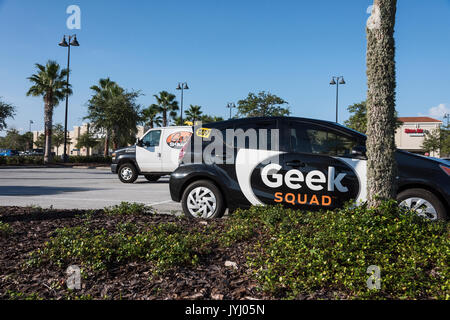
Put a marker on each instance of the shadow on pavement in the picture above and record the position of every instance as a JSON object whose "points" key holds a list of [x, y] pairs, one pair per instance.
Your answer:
{"points": [[38, 190]]}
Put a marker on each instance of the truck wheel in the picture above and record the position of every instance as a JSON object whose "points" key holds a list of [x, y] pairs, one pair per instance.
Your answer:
{"points": [[203, 199], [128, 173], [422, 201], [152, 178]]}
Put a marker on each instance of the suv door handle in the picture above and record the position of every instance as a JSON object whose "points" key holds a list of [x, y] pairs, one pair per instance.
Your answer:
{"points": [[296, 164]]}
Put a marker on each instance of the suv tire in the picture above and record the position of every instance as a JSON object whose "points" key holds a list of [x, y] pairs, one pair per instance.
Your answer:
{"points": [[424, 202], [203, 200], [128, 173]]}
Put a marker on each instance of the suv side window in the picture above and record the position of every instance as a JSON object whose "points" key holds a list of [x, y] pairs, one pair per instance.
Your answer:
{"points": [[152, 138], [306, 138]]}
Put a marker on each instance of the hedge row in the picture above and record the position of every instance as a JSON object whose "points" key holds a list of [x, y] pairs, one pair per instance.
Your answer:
{"points": [[39, 160]]}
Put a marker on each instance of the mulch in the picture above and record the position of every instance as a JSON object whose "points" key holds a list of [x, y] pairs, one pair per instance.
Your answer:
{"points": [[32, 227]]}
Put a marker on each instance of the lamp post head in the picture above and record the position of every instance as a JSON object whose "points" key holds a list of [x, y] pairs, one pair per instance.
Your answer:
{"points": [[74, 42], [342, 81], [333, 82], [179, 86], [63, 43], [186, 86]]}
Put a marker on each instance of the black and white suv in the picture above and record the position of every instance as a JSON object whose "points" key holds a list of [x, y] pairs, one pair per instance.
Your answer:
{"points": [[301, 163]]}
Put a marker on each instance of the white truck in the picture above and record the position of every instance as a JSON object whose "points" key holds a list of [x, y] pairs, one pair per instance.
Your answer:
{"points": [[153, 156]]}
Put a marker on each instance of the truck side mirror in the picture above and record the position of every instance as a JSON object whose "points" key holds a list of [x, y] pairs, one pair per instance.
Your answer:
{"points": [[138, 142]]}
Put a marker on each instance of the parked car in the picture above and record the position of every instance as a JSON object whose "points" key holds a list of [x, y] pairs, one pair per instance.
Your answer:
{"points": [[153, 156], [316, 165], [8, 153]]}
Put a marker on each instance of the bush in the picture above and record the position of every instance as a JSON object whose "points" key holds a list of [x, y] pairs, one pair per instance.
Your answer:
{"points": [[39, 160], [5, 229], [126, 208], [306, 252], [166, 245]]}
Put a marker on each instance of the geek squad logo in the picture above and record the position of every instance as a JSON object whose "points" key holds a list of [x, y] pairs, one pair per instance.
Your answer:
{"points": [[294, 179]]}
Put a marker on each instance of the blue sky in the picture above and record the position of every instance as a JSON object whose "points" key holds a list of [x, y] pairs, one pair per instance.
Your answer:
{"points": [[224, 50]]}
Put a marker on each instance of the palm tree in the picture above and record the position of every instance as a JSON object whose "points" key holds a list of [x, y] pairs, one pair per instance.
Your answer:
{"points": [[151, 116], [97, 107], [194, 113], [167, 105], [381, 120], [50, 83]]}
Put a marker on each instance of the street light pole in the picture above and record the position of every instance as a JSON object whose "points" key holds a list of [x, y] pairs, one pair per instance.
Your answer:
{"points": [[182, 86], [72, 42], [337, 80], [231, 106]]}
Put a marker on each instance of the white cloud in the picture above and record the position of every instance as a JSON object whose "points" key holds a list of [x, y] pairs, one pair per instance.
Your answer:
{"points": [[439, 111]]}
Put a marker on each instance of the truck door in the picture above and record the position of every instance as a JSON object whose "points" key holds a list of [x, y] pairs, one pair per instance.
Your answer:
{"points": [[172, 142], [148, 155]]}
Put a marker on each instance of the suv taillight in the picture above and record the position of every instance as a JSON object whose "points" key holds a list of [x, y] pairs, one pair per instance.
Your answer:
{"points": [[446, 170]]}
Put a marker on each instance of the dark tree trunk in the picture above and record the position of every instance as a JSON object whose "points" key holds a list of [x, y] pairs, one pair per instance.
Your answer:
{"points": [[381, 164], [48, 124]]}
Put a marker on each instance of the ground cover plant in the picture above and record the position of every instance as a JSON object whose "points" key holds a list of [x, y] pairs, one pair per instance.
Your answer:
{"points": [[130, 252]]}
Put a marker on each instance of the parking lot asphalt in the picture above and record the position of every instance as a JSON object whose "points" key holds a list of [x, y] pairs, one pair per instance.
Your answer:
{"points": [[68, 188]]}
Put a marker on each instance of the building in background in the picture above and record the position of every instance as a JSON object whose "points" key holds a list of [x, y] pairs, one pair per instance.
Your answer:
{"points": [[73, 137], [411, 134]]}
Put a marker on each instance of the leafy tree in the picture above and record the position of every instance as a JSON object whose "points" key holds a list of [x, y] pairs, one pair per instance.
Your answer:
{"points": [[115, 110], [50, 83], [432, 141], [358, 119], [97, 108], [207, 119], [262, 105], [13, 140], [58, 136], [167, 105], [6, 111], [87, 140], [381, 163], [445, 142], [40, 141], [150, 116], [194, 113]]}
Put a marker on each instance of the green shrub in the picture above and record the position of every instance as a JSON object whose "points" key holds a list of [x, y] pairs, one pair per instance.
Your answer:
{"points": [[305, 252], [166, 245], [5, 229], [126, 208]]}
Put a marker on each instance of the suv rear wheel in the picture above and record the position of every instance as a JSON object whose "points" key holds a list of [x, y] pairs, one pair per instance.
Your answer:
{"points": [[203, 199], [422, 201], [128, 173]]}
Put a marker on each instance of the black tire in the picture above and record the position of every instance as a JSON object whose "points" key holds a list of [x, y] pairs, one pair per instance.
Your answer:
{"points": [[127, 173], [428, 196], [152, 178], [219, 200]]}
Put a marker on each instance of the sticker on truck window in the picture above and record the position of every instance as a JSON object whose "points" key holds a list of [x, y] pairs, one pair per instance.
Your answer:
{"points": [[178, 139], [203, 132]]}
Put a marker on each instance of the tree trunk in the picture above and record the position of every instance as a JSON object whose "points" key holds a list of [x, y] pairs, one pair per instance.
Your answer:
{"points": [[106, 149], [164, 118], [381, 164], [48, 115]]}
